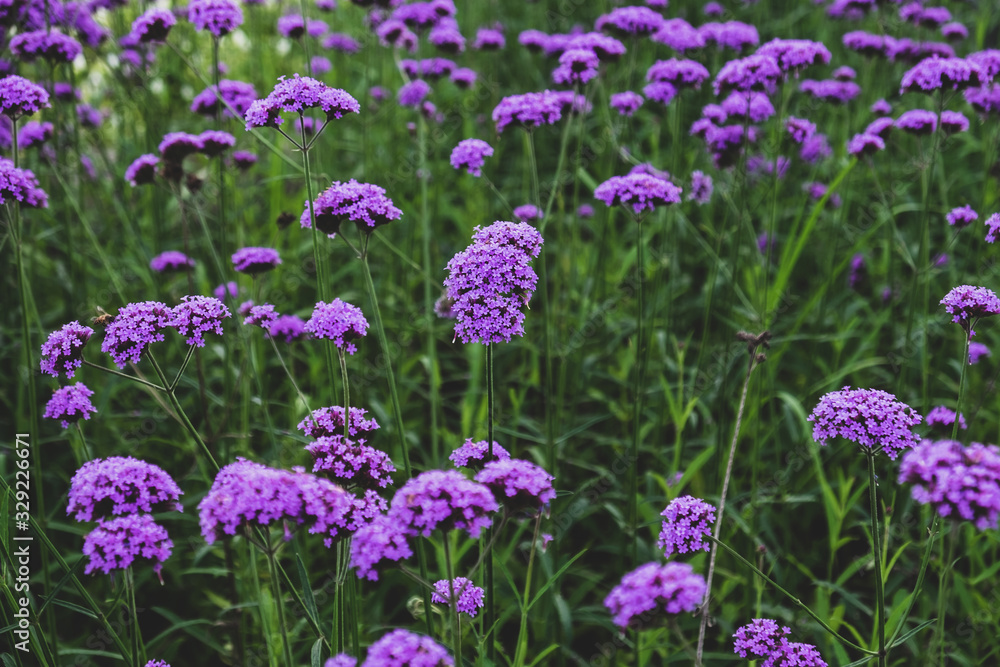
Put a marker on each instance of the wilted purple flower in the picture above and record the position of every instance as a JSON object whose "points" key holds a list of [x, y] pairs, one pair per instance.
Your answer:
{"points": [[576, 66], [626, 103], [679, 35], [295, 95], [121, 485], [755, 106], [20, 97], [517, 484], [733, 35], [815, 148], [529, 110], [245, 491], [473, 454], [945, 417], [881, 107], [871, 418], [289, 327], [953, 121], [70, 404], [133, 329], [977, 351], [794, 55], [936, 73], [641, 191], [831, 90], [338, 321], [236, 94], [468, 596], [402, 648], [196, 315], [471, 154], [968, 304], [171, 260], [142, 170], [154, 25], [963, 216], [630, 21], [63, 350], [255, 260], [443, 499], [865, 144], [993, 222], [178, 145], [701, 188], [527, 213], [686, 525], [117, 543], [680, 73], [959, 482], [364, 204], [670, 587], [220, 17], [917, 121], [754, 72], [50, 45]]}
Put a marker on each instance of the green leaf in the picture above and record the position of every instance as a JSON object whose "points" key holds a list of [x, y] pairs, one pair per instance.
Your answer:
{"points": [[307, 594], [553, 579], [904, 638], [548, 649], [316, 654]]}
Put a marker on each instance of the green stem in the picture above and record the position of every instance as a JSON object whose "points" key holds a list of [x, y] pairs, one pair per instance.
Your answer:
{"points": [[425, 232], [522, 634], [183, 415], [877, 548], [487, 552], [278, 600], [347, 393], [456, 623], [961, 388], [942, 610], [932, 533], [223, 237], [633, 469], [138, 650], [180, 371]]}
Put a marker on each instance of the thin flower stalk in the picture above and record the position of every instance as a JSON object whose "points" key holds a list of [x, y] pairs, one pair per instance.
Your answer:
{"points": [[456, 623], [425, 232], [877, 549], [521, 652]]}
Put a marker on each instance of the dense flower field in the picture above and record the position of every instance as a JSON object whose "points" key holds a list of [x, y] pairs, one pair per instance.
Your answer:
{"points": [[552, 333]]}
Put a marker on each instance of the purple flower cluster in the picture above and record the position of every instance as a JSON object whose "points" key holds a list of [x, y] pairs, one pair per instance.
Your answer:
{"points": [[686, 525], [196, 315], [70, 404], [762, 638], [960, 482], [468, 596], [517, 484], [235, 94], [20, 185], [734, 35], [295, 95], [794, 55], [219, 17], [962, 216], [62, 351], [701, 188], [865, 144], [142, 170], [116, 543], [120, 485], [871, 418], [171, 260], [640, 191], [330, 422], [491, 280], [471, 154], [338, 321], [251, 492], [977, 351], [576, 66], [412, 93], [402, 648], [651, 589], [50, 45], [255, 260], [381, 540], [630, 21], [757, 72], [153, 26], [626, 103], [934, 73], [944, 416], [967, 304], [680, 73], [133, 329], [993, 225], [364, 204], [354, 462], [917, 121], [755, 106], [529, 110], [831, 90], [473, 454], [527, 213]]}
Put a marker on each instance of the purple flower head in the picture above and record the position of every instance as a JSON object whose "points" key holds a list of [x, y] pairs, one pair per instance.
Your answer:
{"points": [[872, 418], [815, 148], [447, 37], [352, 462], [364, 204], [901, 50], [630, 21], [845, 73], [945, 417], [117, 543], [761, 638], [857, 265], [491, 280], [576, 66], [70, 404], [796, 654], [133, 329], [686, 526], [527, 213], [262, 316], [917, 121], [255, 260], [443, 499], [197, 315], [402, 648], [641, 191], [865, 144], [463, 77], [626, 103], [936, 49], [220, 17], [20, 97], [953, 121], [959, 482], [395, 33], [880, 127], [330, 422], [383, 539], [338, 41], [529, 110], [34, 133], [236, 94], [142, 170], [244, 159], [413, 93], [468, 596], [63, 350], [154, 25], [799, 129], [713, 9], [967, 304], [607, 48], [660, 91], [680, 73], [120, 485], [831, 90], [585, 211], [474, 454], [963, 216], [757, 72], [226, 289], [936, 73], [171, 260], [292, 26], [977, 351], [519, 485], [988, 61], [295, 95], [289, 327], [794, 55], [881, 107], [679, 35], [178, 145], [993, 223], [341, 659], [755, 106], [533, 40], [701, 188], [489, 39], [645, 593], [88, 116], [733, 35], [338, 321], [245, 491], [50, 45], [471, 154], [214, 142]]}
